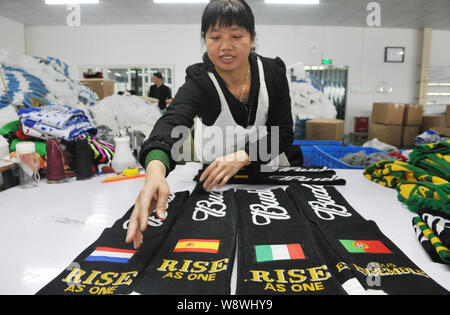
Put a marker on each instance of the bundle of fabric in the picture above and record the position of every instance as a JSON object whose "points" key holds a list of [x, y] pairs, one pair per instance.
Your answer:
{"points": [[307, 94], [433, 232], [60, 121], [361, 158], [103, 152], [433, 157], [429, 136], [416, 188], [22, 89], [379, 145], [114, 112], [56, 63], [12, 132], [34, 81], [62, 89]]}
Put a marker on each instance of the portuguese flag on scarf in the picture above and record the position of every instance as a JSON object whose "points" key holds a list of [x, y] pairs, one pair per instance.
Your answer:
{"points": [[373, 247]]}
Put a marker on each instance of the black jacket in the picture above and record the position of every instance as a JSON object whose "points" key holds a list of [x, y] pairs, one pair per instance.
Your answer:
{"points": [[162, 93], [198, 97]]}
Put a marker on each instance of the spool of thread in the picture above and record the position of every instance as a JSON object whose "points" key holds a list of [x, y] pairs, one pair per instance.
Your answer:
{"points": [[55, 165], [83, 159]]}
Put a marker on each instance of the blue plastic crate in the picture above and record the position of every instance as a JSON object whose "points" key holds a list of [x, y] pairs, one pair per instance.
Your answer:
{"points": [[309, 143], [309, 150], [329, 156], [308, 155]]}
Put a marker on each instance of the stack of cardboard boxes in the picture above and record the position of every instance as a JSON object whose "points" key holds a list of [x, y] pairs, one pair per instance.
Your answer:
{"points": [[396, 124], [440, 124], [102, 87], [325, 129]]}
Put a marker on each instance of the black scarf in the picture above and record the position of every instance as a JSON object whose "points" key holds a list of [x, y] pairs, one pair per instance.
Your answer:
{"points": [[110, 266], [357, 246], [277, 253], [197, 257], [263, 175]]}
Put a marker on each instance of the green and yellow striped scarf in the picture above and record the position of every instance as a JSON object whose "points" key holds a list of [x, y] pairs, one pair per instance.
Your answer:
{"points": [[433, 158], [440, 248], [416, 188]]}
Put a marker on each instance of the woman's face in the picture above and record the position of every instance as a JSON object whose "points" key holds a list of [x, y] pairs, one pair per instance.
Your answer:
{"points": [[228, 46]]}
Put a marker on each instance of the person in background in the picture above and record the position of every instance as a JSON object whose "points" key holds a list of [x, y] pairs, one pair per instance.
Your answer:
{"points": [[160, 91], [232, 87]]}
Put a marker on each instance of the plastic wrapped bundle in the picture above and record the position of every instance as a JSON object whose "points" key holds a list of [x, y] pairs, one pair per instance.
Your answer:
{"points": [[23, 89], [114, 112], [62, 89], [308, 100], [34, 82], [62, 122]]}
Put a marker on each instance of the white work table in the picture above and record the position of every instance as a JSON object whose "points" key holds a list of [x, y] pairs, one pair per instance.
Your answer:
{"points": [[44, 228]]}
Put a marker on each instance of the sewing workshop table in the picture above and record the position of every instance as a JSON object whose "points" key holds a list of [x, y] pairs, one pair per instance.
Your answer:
{"points": [[44, 228]]}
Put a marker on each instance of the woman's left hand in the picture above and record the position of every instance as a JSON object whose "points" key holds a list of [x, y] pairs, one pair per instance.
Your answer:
{"points": [[223, 168]]}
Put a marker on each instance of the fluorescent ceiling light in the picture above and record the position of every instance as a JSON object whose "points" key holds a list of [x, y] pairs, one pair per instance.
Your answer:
{"points": [[438, 94], [180, 1], [439, 84], [71, 1], [293, 1]]}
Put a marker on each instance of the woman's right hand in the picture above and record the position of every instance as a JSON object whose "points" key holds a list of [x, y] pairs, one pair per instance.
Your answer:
{"points": [[153, 195]]}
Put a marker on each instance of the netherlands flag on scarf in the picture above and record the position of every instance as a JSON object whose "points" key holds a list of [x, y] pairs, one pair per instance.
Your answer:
{"points": [[108, 254]]}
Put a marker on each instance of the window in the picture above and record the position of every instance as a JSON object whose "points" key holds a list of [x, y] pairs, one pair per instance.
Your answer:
{"points": [[131, 78]]}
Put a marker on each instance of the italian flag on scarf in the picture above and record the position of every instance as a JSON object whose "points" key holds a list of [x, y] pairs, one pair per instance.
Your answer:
{"points": [[416, 188]]}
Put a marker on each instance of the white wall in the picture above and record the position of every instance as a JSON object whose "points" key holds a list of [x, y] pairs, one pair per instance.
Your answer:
{"points": [[177, 45], [360, 48], [440, 48], [12, 37]]}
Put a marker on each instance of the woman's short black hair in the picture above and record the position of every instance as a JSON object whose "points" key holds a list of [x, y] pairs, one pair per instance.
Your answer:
{"points": [[158, 75], [228, 13]]}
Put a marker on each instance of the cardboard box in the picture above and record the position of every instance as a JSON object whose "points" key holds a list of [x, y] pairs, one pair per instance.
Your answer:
{"points": [[325, 129], [445, 131], [103, 88], [413, 115], [432, 121], [390, 134], [409, 133], [447, 117], [388, 113]]}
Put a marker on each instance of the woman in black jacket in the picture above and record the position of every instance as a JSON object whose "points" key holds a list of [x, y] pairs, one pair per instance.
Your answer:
{"points": [[233, 89]]}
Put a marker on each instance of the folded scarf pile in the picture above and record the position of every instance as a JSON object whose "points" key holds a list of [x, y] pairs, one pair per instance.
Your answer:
{"points": [[433, 157], [60, 121], [433, 232], [13, 133], [416, 188], [103, 152]]}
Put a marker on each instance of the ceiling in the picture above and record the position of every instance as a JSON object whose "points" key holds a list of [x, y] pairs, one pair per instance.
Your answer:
{"points": [[394, 13]]}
